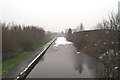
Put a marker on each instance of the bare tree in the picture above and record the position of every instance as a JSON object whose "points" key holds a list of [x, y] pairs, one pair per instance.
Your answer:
{"points": [[17, 39], [112, 23], [81, 27]]}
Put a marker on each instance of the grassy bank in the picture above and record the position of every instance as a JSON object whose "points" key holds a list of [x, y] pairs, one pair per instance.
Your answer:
{"points": [[44, 42], [11, 63]]}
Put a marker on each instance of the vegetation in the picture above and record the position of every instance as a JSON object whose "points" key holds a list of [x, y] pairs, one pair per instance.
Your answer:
{"points": [[19, 42], [11, 63], [17, 39], [102, 43], [80, 28], [69, 34], [113, 23], [44, 42]]}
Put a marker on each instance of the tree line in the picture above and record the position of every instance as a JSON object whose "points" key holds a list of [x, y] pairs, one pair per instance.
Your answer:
{"points": [[17, 38]]}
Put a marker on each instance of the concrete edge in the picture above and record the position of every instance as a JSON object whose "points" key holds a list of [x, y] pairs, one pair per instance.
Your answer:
{"points": [[28, 69]]}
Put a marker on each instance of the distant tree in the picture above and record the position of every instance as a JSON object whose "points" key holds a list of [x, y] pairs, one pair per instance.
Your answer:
{"points": [[69, 31], [69, 35], [81, 27], [48, 34], [62, 32]]}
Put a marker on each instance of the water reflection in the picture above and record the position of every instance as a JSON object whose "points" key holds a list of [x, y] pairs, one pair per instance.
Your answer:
{"points": [[79, 68], [42, 59], [91, 67]]}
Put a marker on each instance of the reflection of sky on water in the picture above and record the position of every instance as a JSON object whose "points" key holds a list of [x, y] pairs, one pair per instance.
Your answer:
{"points": [[89, 66]]}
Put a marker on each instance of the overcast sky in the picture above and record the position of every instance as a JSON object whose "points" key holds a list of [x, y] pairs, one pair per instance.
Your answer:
{"points": [[56, 15]]}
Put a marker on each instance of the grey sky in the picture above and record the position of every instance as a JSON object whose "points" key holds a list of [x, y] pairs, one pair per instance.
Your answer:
{"points": [[56, 15]]}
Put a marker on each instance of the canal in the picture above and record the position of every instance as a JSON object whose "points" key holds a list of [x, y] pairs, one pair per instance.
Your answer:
{"points": [[63, 60]]}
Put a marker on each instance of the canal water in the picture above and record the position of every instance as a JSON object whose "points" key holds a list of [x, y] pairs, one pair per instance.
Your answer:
{"points": [[63, 60]]}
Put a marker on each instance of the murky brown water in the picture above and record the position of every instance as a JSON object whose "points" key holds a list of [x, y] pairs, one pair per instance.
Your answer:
{"points": [[64, 61]]}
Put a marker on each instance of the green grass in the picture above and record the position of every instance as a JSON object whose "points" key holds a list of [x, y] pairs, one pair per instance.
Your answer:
{"points": [[11, 63], [44, 42]]}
